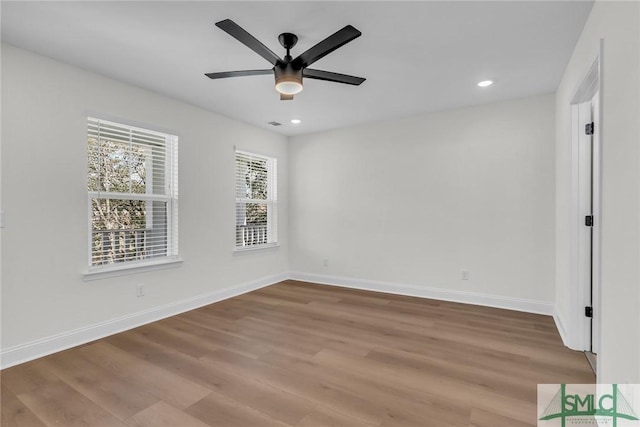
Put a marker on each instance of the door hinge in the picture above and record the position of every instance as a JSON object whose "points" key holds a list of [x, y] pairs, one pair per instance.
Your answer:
{"points": [[588, 129], [588, 220], [588, 312]]}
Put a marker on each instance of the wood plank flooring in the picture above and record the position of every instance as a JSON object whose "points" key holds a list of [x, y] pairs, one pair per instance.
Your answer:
{"points": [[303, 355]]}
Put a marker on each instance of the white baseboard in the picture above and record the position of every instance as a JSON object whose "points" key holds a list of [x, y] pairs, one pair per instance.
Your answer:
{"points": [[510, 303], [561, 329], [45, 346]]}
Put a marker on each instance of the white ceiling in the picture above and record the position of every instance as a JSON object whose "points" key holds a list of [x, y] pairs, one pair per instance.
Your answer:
{"points": [[417, 56]]}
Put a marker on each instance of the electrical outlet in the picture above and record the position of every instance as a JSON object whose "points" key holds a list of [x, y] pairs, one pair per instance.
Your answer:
{"points": [[140, 290], [325, 262], [465, 275]]}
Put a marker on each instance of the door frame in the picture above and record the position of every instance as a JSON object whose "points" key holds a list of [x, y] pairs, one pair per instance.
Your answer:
{"points": [[590, 89]]}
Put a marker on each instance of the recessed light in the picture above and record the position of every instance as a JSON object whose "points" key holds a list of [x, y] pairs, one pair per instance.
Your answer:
{"points": [[485, 83], [296, 121]]}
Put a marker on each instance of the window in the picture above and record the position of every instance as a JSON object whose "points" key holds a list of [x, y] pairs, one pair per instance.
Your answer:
{"points": [[133, 194], [256, 201]]}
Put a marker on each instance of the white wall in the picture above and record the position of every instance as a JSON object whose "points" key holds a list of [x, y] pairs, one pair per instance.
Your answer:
{"points": [[44, 108], [618, 24], [415, 201]]}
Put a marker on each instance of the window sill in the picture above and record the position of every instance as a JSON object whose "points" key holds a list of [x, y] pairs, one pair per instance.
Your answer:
{"points": [[254, 249], [104, 272]]}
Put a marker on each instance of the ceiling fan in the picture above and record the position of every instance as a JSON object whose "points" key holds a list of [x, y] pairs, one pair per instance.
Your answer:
{"points": [[288, 71]]}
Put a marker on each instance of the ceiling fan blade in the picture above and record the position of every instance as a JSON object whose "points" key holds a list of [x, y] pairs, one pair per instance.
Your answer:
{"points": [[326, 46], [236, 31], [284, 97], [332, 77], [225, 74]]}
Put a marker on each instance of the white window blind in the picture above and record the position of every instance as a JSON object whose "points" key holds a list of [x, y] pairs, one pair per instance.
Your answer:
{"points": [[256, 201], [133, 193]]}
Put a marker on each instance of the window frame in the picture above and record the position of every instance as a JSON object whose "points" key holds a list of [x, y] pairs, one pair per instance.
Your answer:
{"points": [[169, 196], [271, 203]]}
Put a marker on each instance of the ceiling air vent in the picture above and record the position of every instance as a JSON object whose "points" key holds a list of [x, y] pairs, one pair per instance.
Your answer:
{"points": [[275, 124]]}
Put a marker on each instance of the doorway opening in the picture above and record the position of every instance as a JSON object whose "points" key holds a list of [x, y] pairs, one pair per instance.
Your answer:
{"points": [[586, 146]]}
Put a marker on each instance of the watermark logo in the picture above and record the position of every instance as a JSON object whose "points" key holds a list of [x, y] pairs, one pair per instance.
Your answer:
{"points": [[593, 405]]}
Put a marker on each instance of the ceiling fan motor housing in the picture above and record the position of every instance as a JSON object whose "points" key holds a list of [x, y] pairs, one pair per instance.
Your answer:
{"points": [[288, 79]]}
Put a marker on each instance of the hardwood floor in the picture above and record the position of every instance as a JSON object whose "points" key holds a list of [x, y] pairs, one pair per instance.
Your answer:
{"points": [[297, 354]]}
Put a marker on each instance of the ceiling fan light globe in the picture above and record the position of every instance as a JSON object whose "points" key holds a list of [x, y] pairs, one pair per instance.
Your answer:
{"points": [[289, 87]]}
